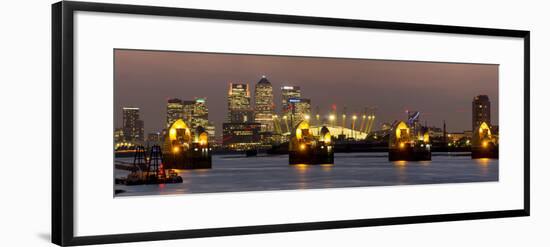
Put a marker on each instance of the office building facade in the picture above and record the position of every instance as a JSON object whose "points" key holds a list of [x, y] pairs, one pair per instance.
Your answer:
{"points": [[132, 125], [264, 107], [238, 103], [481, 111]]}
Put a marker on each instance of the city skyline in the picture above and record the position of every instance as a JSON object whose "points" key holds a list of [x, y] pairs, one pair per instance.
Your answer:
{"points": [[443, 91]]}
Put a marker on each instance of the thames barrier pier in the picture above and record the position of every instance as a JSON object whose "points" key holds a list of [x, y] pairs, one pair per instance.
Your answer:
{"points": [[484, 139], [186, 149], [307, 148], [484, 144], [409, 144]]}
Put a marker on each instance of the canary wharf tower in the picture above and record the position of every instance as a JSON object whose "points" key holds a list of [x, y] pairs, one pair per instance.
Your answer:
{"points": [[238, 102], [264, 107]]}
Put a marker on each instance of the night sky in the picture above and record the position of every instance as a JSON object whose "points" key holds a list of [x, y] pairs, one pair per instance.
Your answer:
{"points": [[440, 91]]}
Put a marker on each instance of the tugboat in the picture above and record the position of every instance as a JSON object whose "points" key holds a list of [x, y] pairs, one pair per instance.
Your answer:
{"points": [[173, 178], [484, 143], [305, 148], [406, 145], [154, 173], [184, 149]]}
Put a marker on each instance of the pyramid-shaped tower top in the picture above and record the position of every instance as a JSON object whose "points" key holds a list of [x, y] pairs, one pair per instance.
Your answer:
{"points": [[264, 80]]}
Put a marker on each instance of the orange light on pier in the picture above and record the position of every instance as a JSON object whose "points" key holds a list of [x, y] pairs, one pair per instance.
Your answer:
{"points": [[401, 162], [483, 161], [203, 138], [302, 168]]}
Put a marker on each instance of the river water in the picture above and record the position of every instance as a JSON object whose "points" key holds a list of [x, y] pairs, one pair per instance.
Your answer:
{"points": [[234, 173]]}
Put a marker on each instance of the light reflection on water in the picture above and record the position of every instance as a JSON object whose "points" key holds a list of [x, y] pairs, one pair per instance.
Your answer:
{"points": [[425, 162], [484, 164], [401, 170], [233, 174], [327, 167], [301, 168], [483, 161], [302, 179]]}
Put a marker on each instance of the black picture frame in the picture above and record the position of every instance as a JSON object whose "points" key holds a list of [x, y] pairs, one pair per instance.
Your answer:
{"points": [[63, 125]]}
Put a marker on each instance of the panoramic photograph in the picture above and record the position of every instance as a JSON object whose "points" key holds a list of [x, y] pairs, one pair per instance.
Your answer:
{"points": [[193, 122]]}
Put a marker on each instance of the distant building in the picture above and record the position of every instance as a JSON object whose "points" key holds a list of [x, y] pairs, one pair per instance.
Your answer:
{"points": [[435, 131], [287, 93], [200, 117], [241, 136], [188, 107], [385, 126], [264, 108], [300, 109], [481, 111], [458, 139], [153, 138], [119, 135], [199, 113], [193, 112], [238, 103], [174, 111], [211, 130], [454, 137], [132, 126]]}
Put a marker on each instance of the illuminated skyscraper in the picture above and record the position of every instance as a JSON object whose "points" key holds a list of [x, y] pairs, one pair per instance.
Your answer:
{"points": [[174, 111], [300, 109], [132, 126], [200, 116], [238, 103], [481, 111], [188, 106], [119, 135], [199, 113], [263, 104], [193, 112], [287, 93]]}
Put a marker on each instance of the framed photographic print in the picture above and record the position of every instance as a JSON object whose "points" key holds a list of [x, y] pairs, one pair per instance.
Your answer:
{"points": [[173, 123]]}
